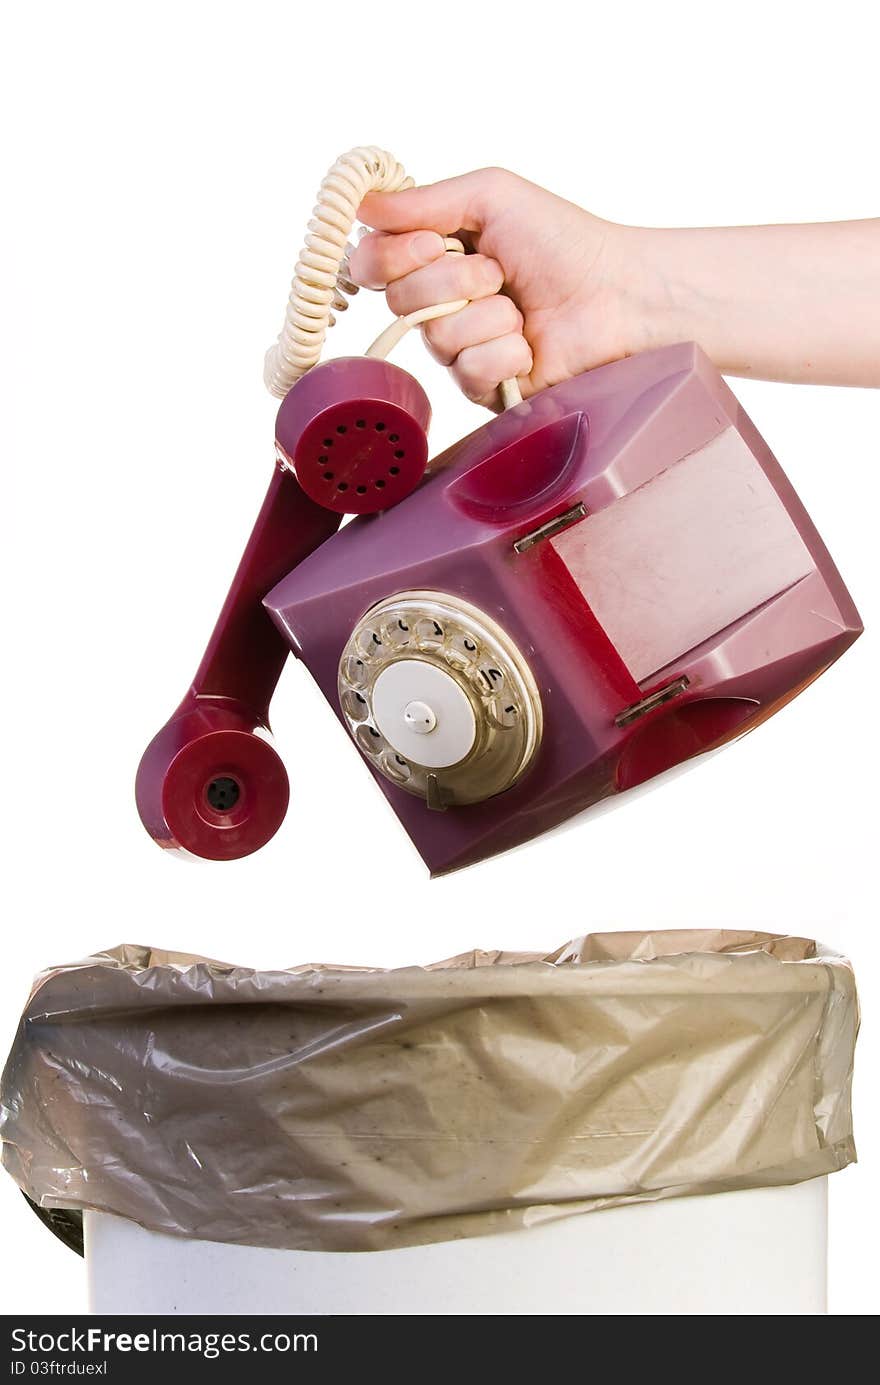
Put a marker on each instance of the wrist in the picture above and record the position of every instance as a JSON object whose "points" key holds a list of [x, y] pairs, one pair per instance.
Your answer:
{"points": [[658, 299]]}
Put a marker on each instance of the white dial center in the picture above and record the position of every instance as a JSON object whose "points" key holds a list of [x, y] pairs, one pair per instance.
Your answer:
{"points": [[420, 718], [424, 713]]}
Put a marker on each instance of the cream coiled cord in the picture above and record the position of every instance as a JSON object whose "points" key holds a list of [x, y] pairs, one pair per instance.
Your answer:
{"points": [[320, 279]]}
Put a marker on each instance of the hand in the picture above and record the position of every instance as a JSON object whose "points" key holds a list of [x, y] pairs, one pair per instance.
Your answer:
{"points": [[568, 301]]}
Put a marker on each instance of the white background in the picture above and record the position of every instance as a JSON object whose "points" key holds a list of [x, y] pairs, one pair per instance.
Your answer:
{"points": [[160, 164]]}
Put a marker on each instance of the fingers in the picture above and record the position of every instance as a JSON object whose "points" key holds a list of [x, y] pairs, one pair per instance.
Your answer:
{"points": [[481, 321], [417, 272], [479, 370], [455, 204], [447, 279], [483, 343], [379, 259]]}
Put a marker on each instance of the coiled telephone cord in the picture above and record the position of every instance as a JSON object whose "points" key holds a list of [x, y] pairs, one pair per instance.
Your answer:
{"points": [[321, 282]]}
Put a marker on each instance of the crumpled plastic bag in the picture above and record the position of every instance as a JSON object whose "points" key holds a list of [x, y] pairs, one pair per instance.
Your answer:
{"points": [[346, 1108]]}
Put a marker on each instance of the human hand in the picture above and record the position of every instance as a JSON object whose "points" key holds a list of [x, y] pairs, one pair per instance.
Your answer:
{"points": [[569, 296]]}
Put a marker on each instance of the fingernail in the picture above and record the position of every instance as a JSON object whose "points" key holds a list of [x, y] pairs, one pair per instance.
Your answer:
{"points": [[426, 246]]}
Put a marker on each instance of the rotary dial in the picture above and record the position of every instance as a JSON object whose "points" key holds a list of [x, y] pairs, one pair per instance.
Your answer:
{"points": [[439, 698]]}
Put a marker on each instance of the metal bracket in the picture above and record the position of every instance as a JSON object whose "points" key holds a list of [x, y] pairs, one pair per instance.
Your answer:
{"points": [[654, 699], [551, 528], [434, 796]]}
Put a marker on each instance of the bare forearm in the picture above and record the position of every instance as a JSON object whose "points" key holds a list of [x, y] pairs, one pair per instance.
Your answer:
{"points": [[796, 303]]}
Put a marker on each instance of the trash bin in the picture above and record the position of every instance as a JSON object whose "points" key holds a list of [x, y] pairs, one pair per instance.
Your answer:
{"points": [[758, 1251], [637, 1123]]}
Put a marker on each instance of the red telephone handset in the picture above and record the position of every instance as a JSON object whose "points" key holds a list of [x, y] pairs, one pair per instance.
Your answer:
{"points": [[351, 438]]}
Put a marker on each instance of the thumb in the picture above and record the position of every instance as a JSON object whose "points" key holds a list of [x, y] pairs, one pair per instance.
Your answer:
{"points": [[455, 204]]}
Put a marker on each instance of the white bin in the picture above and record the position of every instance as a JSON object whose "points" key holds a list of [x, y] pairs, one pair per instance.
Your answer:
{"points": [[761, 1251]]}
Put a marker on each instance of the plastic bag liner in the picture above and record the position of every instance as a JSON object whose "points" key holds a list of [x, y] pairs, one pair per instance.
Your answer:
{"points": [[346, 1108]]}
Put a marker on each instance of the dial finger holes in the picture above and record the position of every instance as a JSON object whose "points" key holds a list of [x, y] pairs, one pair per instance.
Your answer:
{"points": [[368, 739], [355, 705], [355, 671], [369, 641], [397, 633], [504, 714], [489, 679], [463, 649], [396, 767], [429, 633]]}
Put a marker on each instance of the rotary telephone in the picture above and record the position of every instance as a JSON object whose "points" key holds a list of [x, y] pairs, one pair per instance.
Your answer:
{"points": [[600, 583]]}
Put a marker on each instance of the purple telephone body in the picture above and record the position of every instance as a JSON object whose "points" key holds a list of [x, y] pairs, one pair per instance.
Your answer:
{"points": [[598, 584]]}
